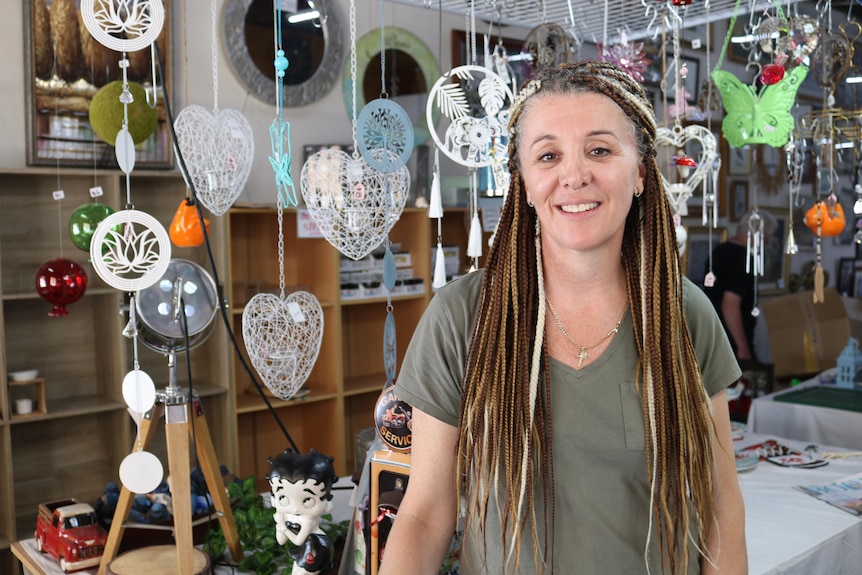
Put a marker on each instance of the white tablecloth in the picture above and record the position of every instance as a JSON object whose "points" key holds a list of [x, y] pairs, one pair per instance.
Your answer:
{"points": [[790, 532], [818, 425]]}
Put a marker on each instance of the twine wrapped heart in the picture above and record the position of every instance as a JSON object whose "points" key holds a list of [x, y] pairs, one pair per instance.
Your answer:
{"points": [[282, 337], [353, 205], [678, 137], [218, 151]]}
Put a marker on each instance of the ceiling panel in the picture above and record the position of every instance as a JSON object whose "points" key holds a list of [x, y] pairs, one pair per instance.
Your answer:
{"points": [[594, 20]]}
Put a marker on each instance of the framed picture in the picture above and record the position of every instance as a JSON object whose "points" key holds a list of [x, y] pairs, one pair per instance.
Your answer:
{"points": [[739, 51], [770, 167], [738, 161], [738, 199], [661, 73], [857, 281], [699, 244], [776, 269], [65, 68], [846, 277]]}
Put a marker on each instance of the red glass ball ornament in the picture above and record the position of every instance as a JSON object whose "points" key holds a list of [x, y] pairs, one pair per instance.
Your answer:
{"points": [[60, 282], [680, 2], [772, 74]]}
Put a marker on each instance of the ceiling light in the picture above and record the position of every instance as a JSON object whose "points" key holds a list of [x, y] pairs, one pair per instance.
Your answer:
{"points": [[303, 16]]}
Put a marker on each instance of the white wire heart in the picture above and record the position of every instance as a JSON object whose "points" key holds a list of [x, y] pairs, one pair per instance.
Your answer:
{"points": [[218, 151], [353, 205], [282, 337], [679, 138]]}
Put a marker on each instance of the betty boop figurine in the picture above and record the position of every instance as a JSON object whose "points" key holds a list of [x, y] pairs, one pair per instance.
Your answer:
{"points": [[301, 487]]}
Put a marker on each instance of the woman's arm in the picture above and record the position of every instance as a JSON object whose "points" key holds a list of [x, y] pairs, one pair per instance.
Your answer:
{"points": [[426, 518], [726, 544]]}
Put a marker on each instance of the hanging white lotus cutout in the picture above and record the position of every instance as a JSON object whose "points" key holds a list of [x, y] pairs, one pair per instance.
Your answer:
{"points": [[123, 25], [218, 151], [681, 138], [353, 205], [282, 337], [476, 102], [130, 250]]}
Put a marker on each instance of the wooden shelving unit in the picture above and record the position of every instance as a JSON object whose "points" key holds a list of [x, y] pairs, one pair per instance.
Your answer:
{"points": [[349, 374], [75, 447]]}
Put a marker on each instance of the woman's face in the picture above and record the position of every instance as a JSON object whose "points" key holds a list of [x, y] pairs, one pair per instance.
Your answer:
{"points": [[581, 166]]}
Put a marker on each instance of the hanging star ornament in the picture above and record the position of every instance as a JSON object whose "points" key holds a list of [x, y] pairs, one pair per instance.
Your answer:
{"points": [[628, 56]]}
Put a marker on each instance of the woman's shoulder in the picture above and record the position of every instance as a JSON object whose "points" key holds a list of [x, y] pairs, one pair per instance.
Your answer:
{"points": [[467, 286], [693, 297]]}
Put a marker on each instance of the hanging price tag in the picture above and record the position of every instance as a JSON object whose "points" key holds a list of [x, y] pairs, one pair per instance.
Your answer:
{"points": [[96, 192], [58, 194]]}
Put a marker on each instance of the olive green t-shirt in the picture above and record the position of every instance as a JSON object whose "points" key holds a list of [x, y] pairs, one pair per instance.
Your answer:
{"points": [[602, 490]]}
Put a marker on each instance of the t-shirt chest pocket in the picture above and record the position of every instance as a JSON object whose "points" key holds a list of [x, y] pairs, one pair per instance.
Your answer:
{"points": [[598, 416]]}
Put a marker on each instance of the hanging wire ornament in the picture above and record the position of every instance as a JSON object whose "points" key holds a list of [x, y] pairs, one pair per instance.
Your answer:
{"points": [[547, 45], [682, 138], [279, 130], [384, 130], [218, 147], [283, 334], [353, 205]]}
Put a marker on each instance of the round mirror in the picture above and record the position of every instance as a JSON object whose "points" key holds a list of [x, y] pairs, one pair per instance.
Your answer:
{"points": [[311, 40], [410, 71]]}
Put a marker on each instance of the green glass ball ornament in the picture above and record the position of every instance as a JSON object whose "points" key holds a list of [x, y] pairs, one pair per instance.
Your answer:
{"points": [[84, 221], [106, 112]]}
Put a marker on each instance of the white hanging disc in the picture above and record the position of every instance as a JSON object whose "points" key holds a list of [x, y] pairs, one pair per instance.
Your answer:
{"points": [[139, 391], [141, 472], [476, 103], [130, 250], [121, 29]]}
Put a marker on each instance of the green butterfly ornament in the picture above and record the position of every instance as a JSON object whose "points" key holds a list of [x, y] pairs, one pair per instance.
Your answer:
{"points": [[758, 118]]}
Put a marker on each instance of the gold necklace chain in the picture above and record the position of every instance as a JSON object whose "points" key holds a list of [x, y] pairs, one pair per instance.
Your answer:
{"points": [[584, 348]]}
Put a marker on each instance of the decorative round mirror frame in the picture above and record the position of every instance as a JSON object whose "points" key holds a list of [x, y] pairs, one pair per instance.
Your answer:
{"points": [[263, 86], [368, 48]]}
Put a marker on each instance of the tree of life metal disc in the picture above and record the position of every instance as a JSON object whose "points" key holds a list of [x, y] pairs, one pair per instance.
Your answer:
{"points": [[123, 25], [383, 124], [130, 250], [476, 102]]}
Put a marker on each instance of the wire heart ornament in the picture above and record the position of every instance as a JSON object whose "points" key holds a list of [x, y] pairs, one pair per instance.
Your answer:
{"points": [[282, 336], [688, 138], [218, 150], [353, 205]]}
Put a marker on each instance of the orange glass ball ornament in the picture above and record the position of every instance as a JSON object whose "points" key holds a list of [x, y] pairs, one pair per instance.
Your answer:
{"points": [[831, 217]]}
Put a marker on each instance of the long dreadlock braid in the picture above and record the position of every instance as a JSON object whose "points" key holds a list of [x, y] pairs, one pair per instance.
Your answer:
{"points": [[505, 414]]}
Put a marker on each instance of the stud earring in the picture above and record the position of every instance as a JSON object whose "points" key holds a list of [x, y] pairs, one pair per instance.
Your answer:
{"points": [[638, 193], [530, 203]]}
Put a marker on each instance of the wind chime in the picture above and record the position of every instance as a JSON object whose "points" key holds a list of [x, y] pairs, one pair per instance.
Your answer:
{"points": [[688, 172], [476, 134], [130, 250], [217, 147]]}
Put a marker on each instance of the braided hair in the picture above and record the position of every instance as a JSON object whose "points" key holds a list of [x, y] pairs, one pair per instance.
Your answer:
{"points": [[505, 446]]}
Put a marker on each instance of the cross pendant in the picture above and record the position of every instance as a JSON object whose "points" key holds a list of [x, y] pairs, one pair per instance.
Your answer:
{"points": [[582, 356]]}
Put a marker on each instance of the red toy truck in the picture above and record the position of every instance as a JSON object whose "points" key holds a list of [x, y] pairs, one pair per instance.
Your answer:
{"points": [[70, 532]]}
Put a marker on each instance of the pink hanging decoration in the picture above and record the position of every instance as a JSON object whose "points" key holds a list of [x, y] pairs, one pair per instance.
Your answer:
{"points": [[60, 282], [628, 57]]}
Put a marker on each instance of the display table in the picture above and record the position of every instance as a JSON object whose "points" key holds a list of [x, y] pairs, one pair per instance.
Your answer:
{"points": [[787, 531], [811, 412], [790, 532]]}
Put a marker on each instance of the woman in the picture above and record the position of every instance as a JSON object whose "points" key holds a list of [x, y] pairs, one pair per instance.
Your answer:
{"points": [[573, 392]]}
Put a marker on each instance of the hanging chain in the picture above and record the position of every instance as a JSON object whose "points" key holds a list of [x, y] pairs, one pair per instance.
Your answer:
{"points": [[383, 93], [280, 212], [353, 74], [214, 55]]}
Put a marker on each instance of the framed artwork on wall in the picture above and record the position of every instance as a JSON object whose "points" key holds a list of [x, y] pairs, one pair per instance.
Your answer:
{"points": [[738, 161], [776, 269], [738, 199], [846, 277], [65, 68]]}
